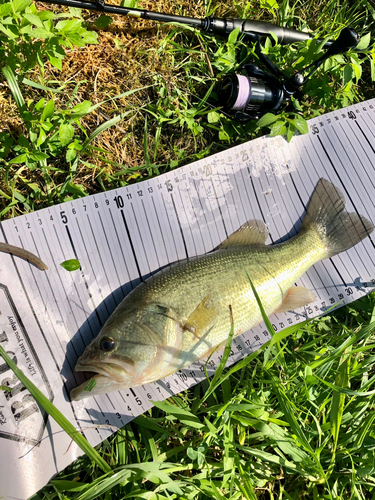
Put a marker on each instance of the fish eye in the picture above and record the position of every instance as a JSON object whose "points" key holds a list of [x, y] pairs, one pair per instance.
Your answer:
{"points": [[107, 344]]}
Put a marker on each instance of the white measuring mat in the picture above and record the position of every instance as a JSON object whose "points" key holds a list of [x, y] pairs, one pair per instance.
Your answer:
{"points": [[122, 236]]}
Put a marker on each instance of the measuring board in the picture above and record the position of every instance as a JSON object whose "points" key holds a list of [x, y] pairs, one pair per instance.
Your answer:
{"points": [[121, 237]]}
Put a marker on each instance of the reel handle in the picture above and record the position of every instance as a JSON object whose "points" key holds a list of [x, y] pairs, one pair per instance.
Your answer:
{"points": [[347, 39]]}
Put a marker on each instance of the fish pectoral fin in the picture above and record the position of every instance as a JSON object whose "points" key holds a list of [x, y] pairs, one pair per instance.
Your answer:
{"points": [[297, 296], [253, 232], [202, 318]]}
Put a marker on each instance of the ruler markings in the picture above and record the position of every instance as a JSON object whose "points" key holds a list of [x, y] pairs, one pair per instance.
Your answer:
{"points": [[88, 287], [236, 204], [104, 239], [202, 208], [190, 221], [219, 209], [207, 225], [223, 190], [157, 264], [116, 272], [64, 384], [79, 312], [215, 222], [318, 166], [156, 235], [131, 245], [55, 292], [307, 162], [140, 244], [331, 154], [369, 169], [359, 187], [201, 245], [161, 232], [259, 205], [238, 195], [369, 134], [200, 229], [145, 244], [170, 230], [103, 268], [344, 270], [248, 191], [284, 219], [186, 223], [179, 226]]}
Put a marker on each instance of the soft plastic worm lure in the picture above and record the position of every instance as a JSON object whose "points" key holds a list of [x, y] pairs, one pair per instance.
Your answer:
{"points": [[24, 254]]}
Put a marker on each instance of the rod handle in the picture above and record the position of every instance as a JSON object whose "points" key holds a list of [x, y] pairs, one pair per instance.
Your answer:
{"points": [[222, 26]]}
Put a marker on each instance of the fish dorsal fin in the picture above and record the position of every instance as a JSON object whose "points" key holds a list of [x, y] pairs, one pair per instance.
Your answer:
{"points": [[297, 296], [253, 232]]}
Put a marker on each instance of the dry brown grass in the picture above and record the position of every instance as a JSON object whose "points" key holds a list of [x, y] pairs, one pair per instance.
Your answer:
{"points": [[129, 56]]}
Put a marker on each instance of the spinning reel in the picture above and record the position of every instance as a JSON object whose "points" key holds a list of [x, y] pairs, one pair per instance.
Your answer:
{"points": [[252, 92]]}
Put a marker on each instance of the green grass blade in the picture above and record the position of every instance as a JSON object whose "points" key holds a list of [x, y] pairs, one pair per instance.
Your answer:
{"points": [[14, 88], [39, 86], [104, 126], [293, 419], [244, 482], [267, 322], [338, 401], [364, 430], [269, 457], [183, 415], [228, 346], [341, 390], [51, 409]]}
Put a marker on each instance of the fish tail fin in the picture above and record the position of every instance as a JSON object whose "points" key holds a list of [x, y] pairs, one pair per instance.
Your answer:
{"points": [[338, 229]]}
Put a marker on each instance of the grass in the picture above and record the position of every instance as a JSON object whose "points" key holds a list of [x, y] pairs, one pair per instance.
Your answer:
{"points": [[155, 80], [294, 421]]}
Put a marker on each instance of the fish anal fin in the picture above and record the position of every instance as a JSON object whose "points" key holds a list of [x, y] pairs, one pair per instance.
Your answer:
{"points": [[297, 296], [253, 232], [202, 318]]}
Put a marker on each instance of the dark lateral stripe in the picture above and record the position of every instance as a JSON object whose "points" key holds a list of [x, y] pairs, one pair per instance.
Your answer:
{"points": [[131, 245]]}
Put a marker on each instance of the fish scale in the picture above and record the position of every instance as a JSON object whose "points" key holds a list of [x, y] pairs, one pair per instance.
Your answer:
{"points": [[182, 313]]}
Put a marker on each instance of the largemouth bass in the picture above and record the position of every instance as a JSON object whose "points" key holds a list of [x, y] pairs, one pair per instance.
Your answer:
{"points": [[183, 313]]}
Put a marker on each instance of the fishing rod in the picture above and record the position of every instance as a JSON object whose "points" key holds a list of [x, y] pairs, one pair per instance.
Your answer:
{"points": [[251, 92], [213, 25]]}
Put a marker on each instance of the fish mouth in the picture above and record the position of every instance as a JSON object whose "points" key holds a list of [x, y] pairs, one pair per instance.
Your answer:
{"points": [[113, 371], [98, 384]]}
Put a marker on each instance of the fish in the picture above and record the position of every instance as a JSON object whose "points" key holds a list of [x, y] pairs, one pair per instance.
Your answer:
{"points": [[24, 254], [184, 312]]}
